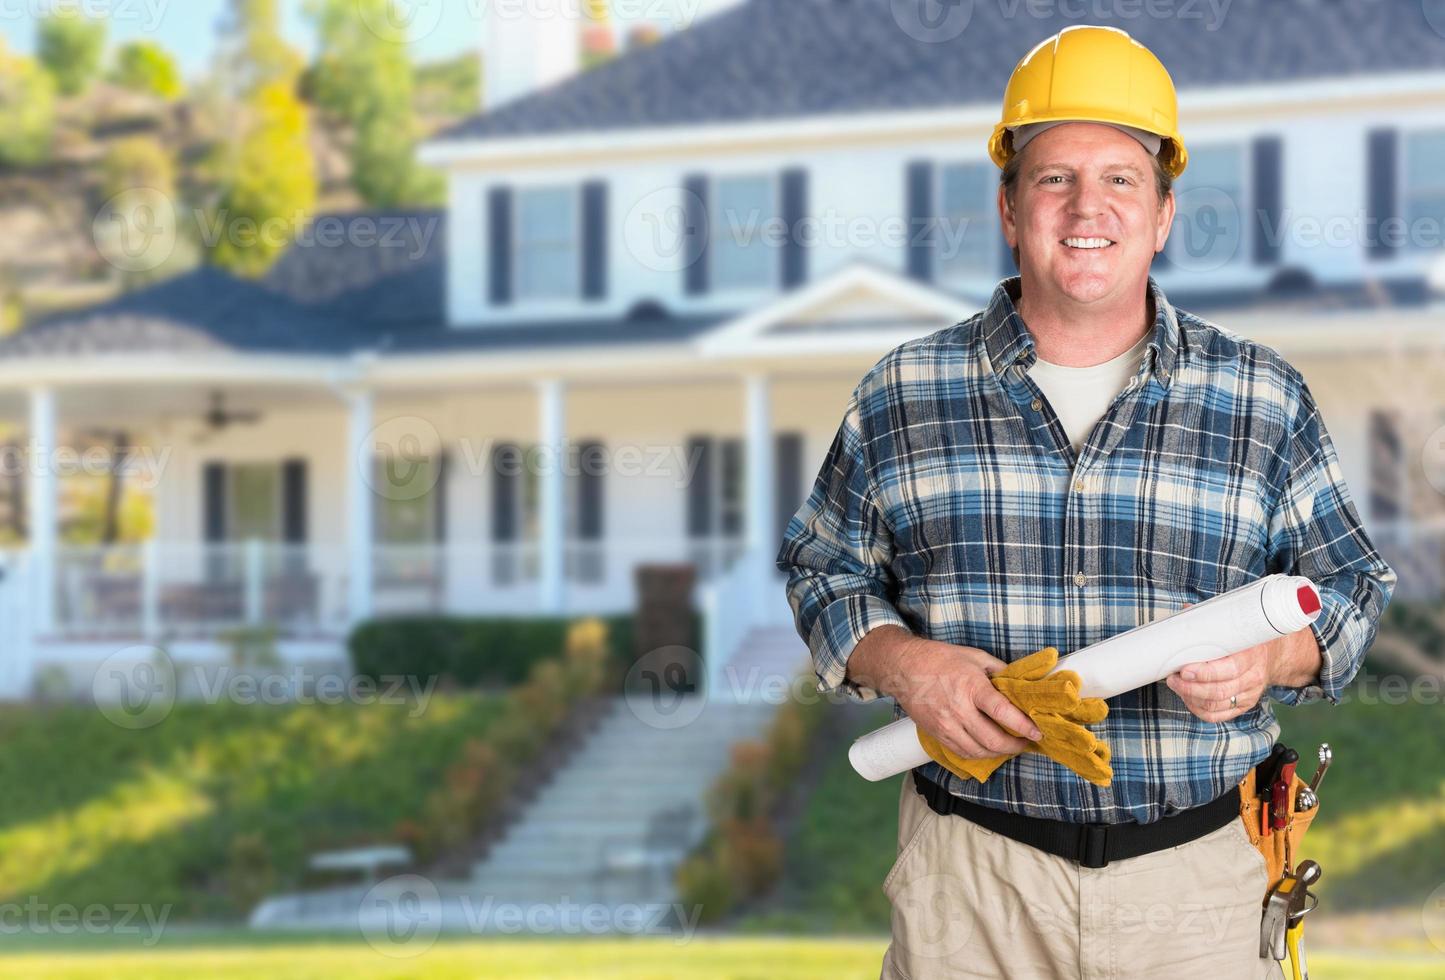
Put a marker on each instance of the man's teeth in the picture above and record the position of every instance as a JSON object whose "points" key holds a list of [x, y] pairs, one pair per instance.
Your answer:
{"points": [[1087, 242]]}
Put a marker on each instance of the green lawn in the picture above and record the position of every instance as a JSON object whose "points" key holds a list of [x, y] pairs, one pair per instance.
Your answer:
{"points": [[214, 803], [703, 958]]}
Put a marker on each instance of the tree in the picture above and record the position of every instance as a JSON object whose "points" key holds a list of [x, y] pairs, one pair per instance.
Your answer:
{"points": [[272, 187], [363, 77], [144, 66], [70, 47], [269, 183], [257, 54], [27, 110]]}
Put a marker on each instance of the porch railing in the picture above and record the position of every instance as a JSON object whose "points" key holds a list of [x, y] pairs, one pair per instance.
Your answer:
{"points": [[154, 589]]}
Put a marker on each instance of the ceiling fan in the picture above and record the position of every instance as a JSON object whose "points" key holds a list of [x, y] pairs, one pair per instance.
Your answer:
{"points": [[218, 417]]}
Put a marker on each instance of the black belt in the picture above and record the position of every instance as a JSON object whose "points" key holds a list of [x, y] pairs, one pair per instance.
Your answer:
{"points": [[1092, 845]]}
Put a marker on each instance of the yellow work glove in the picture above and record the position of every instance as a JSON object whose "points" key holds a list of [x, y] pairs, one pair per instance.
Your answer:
{"points": [[1053, 702]]}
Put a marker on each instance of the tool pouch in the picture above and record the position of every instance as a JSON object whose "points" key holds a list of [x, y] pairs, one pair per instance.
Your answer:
{"points": [[1273, 845]]}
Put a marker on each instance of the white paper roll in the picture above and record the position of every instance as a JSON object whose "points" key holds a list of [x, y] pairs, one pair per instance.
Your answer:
{"points": [[1263, 610]]}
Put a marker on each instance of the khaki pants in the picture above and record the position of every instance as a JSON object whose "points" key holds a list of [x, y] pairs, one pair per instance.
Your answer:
{"points": [[968, 902]]}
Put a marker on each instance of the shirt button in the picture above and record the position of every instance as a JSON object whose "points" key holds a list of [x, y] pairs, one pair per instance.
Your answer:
{"points": [[1080, 579], [1036, 404], [1079, 485]]}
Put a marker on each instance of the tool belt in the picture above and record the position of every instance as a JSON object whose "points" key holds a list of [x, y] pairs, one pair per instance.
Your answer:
{"points": [[1092, 845], [1279, 847]]}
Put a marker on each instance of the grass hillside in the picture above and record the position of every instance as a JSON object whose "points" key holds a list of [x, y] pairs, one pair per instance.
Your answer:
{"points": [[217, 804], [1380, 835]]}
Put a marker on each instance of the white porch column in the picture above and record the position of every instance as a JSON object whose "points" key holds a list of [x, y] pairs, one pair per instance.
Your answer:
{"points": [[42, 506], [359, 502], [551, 433], [761, 547]]}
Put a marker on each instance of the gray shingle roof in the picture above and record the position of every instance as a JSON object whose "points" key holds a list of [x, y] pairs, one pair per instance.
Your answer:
{"points": [[770, 59], [333, 292]]}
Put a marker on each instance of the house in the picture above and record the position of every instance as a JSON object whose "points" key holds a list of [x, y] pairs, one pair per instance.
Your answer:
{"points": [[630, 336]]}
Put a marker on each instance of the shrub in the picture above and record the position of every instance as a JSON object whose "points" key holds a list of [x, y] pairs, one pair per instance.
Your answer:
{"points": [[484, 651], [705, 882], [250, 873], [743, 846]]}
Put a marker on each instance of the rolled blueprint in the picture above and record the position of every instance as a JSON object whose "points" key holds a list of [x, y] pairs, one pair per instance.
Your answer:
{"points": [[1263, 610]]}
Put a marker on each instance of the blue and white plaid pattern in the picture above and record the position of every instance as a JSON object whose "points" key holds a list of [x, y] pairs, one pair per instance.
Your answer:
{"points": [[951, 503]]}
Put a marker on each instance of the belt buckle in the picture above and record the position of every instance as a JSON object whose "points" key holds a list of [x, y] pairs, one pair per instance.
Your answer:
{"points": [[1091, 845]]}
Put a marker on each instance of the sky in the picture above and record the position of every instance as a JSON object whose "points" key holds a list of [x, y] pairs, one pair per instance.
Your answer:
{"points": [[187, 28]]}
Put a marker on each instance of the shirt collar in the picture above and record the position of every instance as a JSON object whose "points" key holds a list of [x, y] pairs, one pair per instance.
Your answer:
{"points": [[1008, 342]]}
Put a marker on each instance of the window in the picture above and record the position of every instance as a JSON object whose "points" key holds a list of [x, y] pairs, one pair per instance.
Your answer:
{"points": [[255, 502], [1424, 198], [547, 246], [730, 489], [406, 500], [966, 237], [1208, 230], [739, 222]]}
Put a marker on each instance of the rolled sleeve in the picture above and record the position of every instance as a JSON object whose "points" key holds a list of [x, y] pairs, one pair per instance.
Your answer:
{"points": [[837, 550], [1316, 531]]}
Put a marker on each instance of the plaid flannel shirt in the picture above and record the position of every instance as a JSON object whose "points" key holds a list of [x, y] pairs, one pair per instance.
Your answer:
{"points": [[951, 503]]}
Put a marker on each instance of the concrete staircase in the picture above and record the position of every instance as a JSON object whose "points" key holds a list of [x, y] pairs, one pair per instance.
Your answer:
{"points": [[589, 836]]}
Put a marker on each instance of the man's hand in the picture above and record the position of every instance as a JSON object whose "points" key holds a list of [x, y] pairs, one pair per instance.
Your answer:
{"points": [[946, 690], [1205, 688]]}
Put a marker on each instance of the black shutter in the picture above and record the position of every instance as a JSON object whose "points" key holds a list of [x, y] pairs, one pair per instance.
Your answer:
{"points": [[1381, 194], [592, 469], [734, 475], [594, 240], [506, 487], [506, 491], [920, 220], [293, 501], [695, 234], [439, 495], [213, 511], [213, 501], [1268, 204], [699, 490], [499, 245], [795, 209], [788, 469]]}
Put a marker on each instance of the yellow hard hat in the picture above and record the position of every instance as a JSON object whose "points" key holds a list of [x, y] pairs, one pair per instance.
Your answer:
{"points": [[1092, 74]]}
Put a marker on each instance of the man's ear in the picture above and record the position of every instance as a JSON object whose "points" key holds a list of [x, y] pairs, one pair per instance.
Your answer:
{"points": [[1006, 218], [1165, 221]]}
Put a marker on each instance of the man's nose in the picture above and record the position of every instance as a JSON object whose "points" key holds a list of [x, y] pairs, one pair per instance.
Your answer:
{"points": [[1087, 199]]}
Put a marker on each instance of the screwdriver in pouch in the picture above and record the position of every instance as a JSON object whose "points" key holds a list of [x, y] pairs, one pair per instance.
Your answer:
{"points": [[1280, 790]]}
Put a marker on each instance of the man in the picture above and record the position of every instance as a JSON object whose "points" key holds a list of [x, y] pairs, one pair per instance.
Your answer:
{"points": [[1077, 459]]}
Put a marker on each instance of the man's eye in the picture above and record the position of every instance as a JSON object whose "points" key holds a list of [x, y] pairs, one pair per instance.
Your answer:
{"points": [[1053, 177]]}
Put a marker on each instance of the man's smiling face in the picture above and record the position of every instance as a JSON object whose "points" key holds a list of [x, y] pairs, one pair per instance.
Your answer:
{"points": [[1086, 217]]}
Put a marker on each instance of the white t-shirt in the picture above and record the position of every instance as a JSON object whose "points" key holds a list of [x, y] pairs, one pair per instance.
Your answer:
{"points": [[1081, 395]]}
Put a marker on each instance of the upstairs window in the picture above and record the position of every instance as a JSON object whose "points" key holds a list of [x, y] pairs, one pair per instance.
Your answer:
{"points": [[1208, 230], [1423, 202], [547, 246], [740, 222], [966, 238]]}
